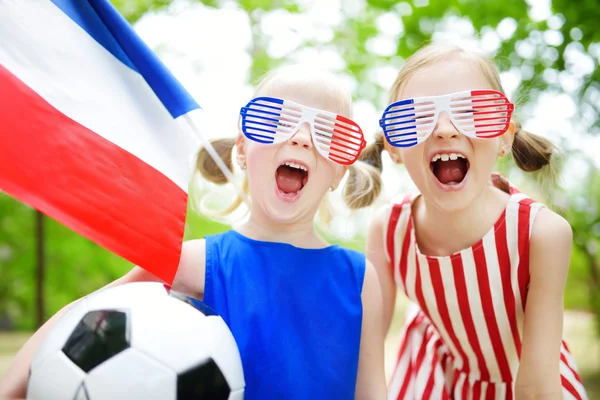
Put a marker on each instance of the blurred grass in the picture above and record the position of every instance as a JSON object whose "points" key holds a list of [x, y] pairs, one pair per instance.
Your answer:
{"points": [[578, 331]]}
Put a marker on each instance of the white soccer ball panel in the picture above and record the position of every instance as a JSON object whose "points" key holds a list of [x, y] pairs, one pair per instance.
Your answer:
{"points": [[131, 375], [54, 377], [224, 351], [127, 295], [60, 332], [82, 393], [237, 395], [174, 319]]}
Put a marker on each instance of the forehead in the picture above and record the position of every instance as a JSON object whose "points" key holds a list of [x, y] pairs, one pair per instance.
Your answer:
{"points": [[321, 95], [446, 76]]}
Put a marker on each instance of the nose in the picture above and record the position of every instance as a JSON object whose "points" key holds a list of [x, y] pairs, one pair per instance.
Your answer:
{"points": [[302, 137], [444, 128]]}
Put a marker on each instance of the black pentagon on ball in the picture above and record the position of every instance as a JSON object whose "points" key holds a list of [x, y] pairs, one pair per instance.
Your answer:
{"points": [[204, 381], [100, 335], [192, 301]]}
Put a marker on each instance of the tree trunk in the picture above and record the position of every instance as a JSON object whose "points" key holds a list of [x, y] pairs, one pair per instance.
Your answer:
{"points": [[40, 270]]}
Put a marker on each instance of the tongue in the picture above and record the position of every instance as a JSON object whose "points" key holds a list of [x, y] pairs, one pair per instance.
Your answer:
{"points": [[452, 171], [289, 180]]}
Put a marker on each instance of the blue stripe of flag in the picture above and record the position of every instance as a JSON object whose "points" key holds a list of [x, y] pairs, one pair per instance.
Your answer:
{"points": [[104, 23]]}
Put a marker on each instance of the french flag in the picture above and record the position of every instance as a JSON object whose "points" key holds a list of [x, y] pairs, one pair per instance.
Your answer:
{"points": [[94, 130]]}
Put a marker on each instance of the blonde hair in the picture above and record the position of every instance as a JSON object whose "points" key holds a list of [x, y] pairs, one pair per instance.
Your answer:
{"points": [[292, 78], [530, 152]]}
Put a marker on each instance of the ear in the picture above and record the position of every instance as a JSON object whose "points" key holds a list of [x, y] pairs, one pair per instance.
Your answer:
{"points": [[341, 171], [506, 140], [394, 152], [240, 147]]}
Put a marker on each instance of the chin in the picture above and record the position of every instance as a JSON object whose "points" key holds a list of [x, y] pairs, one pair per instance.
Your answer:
{"points": [[288, 214], [446, 201], [458, 198], [453, 203]]}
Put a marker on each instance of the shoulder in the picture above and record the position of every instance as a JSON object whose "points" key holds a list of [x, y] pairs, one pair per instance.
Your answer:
{"points": [[192, 265], [390, 211], [353, 256], [197, 257], [350, 260], [219, 237], [550, 228], [380, 218], [391, 219], [550, 242]]}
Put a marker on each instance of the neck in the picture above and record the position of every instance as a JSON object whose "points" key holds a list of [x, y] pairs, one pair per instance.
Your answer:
{"points": [[300, 234], [440, 233]]}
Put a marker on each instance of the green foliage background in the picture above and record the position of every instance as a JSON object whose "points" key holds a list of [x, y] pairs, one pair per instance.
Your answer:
{"points": [[77, 266]]}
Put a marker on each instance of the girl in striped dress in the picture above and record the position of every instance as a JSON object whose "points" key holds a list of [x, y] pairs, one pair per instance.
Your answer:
{"points": [[483, 264]]}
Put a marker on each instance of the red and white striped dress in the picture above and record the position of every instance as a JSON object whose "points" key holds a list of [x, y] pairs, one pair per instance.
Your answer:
{"points": [[462, 336]]}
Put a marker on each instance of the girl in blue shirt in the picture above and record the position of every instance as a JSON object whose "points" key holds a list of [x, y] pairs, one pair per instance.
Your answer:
{"points": [[306, 315]]}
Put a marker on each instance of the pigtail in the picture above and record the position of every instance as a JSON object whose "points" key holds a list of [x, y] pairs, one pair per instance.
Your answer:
{"points": [[210, 171], [364, 181], [531, 152], [208, 167]]}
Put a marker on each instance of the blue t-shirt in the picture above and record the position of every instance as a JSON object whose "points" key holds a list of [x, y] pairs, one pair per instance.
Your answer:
{"points": [[296, 314]]}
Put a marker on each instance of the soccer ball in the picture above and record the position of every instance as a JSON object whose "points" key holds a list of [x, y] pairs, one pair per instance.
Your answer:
{"points": [[137, 341]]}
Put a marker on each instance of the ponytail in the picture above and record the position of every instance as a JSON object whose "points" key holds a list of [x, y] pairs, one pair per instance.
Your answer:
{"points": [[531, 152], [210, 171], [364, 181], [208, 167]]}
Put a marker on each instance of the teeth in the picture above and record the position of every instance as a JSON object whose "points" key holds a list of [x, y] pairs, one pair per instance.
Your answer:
{"points": [[294, 165], [446, 156]]}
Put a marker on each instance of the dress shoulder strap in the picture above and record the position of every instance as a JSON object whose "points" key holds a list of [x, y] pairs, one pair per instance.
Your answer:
{"points": [[398, 221]]}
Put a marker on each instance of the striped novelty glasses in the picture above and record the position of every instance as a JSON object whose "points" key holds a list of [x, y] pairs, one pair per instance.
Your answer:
{"points": [[476, 114], [272, 120]]}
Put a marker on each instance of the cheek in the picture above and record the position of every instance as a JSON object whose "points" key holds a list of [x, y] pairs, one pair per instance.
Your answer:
{"points": [[259, 154], [326, 172], [412, 158], [487, 151], [260, 167]]}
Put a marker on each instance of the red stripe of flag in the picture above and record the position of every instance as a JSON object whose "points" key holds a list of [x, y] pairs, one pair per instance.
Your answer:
{"points": [[87, 183]]}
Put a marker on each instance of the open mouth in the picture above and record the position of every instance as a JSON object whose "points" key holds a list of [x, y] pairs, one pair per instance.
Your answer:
{"points": [[449, 168], [291, 177]]}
